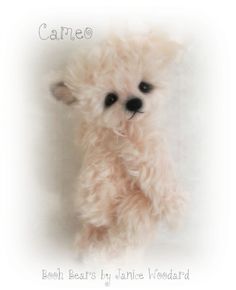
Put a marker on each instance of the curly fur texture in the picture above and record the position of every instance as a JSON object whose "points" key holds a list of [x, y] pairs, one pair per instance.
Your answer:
{"points": [[126, 184]]}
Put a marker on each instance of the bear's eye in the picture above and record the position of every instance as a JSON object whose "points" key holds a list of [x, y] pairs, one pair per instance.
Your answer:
{"points": [[145, 87], [110, 99]]}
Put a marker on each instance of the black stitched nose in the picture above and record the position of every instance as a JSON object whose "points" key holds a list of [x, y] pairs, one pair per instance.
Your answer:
{"points": [[134, 104]]}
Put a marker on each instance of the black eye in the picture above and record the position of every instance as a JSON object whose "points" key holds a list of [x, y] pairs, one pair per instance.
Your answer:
{"points": [[110, 99], [145, 87]]}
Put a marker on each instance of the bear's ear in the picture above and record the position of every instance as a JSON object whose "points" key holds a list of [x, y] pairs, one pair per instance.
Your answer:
{"points": [[62, 93], [171, 52], [167, 50]]}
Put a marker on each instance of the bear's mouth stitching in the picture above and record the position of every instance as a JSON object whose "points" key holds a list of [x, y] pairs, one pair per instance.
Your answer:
{"points": [[134, 114]]}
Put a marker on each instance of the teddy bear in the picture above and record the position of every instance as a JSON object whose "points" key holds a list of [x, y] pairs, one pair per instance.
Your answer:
{"points": [[127, 183]]}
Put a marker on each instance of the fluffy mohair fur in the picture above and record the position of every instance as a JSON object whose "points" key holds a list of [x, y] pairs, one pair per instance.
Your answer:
{"points": [[126, 184]]}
